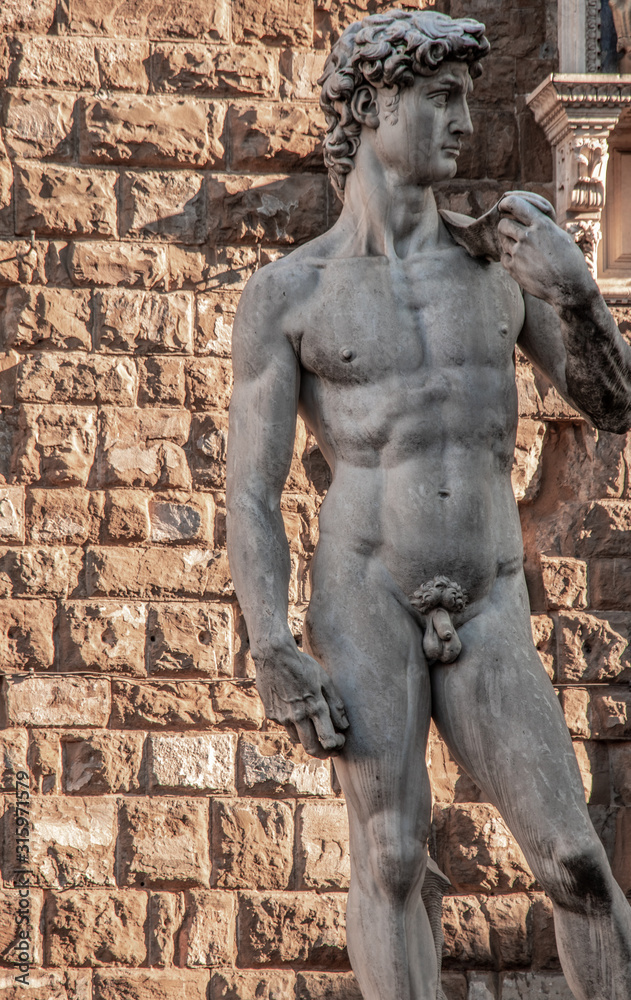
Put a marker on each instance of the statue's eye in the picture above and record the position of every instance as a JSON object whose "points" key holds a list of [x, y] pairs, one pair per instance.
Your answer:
{"points": [[441, 99]]}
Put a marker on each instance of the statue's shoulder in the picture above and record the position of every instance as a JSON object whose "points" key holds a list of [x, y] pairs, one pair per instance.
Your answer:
{"points": [[276, 286]]}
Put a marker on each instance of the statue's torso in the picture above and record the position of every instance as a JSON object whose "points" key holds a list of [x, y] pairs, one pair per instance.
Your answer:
{"points": [[408, 383]]}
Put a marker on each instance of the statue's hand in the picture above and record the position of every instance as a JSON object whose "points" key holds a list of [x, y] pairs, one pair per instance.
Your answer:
{"points": [[540, 256], [299, 694]]}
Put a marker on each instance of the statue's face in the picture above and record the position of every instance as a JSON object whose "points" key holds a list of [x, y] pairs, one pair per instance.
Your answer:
{"points": [[421, 141]]}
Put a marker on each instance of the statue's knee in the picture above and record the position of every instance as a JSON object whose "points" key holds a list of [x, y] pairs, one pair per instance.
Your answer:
{"points": [[398, 866], [580, 879]]}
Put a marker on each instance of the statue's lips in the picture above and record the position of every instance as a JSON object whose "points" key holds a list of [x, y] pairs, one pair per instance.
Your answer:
{"points": [[452, 149]]}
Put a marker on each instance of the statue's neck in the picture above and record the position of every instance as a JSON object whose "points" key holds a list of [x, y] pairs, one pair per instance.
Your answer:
{"points": [[384, 215]]}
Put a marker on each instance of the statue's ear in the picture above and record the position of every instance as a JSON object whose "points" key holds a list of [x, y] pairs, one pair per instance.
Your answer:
{"points": [[364, 106]]}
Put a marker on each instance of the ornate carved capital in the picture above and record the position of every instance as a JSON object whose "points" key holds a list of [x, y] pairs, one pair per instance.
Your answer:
{"points": [[577, 113]]}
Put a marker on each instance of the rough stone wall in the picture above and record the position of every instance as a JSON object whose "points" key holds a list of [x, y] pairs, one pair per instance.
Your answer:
{"points": [[152, 155]]}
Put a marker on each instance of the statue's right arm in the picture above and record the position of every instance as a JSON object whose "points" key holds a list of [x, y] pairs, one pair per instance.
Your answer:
{"points": [[294, 688]]}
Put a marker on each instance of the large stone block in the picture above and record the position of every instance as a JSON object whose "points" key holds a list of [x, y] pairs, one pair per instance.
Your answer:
{"points": [[237, 984], [57, 701], [477, 852], [143, 322], [237, 705], [26, 634], [208, 449], [322, 851], [11, 514], [510, 921], [62, 517], [150, 984], [103, 762], [252, 844], [190, 639], [75, 378], [299, 73], [610, 584], [620, 763], [163, 843], [152, 131], [277, 21], [208, 69], [71, 844], [37, 16], [9, 937], [268, 209], [125, 516], [44, 758], [526, 473], [55, 444], [40, 572], [122, 64], [207, 935], [143, 447], [593, 762], [594, 648], [281, 137], [271, 765], [64, 201], [165, 205], [102, 636], [564, 581], [189, 521], [292, 928], [161, 382], [55, 318], [214, 315], [190, 19], [610, 713], [95, 927], [208, 383], [39, 126], [467, 933], [129, 265], [175, 572], [202, 763], [328, 986], [161, 705], [13, 753], [48, 984], [166, 910], [55, 63]]}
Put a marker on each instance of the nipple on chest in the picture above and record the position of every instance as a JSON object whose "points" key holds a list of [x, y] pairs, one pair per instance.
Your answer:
{"points": [[504, 329], [347, 354]]}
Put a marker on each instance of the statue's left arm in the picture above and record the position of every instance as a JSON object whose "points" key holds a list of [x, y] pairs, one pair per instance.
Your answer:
{"points": [[568, 333]]}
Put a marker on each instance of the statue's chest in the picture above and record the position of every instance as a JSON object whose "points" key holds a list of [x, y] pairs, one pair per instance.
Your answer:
{"points": [[368, 320]]}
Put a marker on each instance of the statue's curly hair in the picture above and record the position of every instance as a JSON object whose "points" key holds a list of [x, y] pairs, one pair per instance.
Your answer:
{"points": [[387, 50]]}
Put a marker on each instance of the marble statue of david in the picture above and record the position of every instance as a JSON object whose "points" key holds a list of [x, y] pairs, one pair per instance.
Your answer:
{"points": [[393, 335]]}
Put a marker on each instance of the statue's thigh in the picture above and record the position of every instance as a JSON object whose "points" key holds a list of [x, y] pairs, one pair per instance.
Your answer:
{"points": [[372, 649], [498, 712]]}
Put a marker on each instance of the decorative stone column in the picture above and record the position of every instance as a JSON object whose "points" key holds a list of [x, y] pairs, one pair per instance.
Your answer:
{"points": [[577, 113]]}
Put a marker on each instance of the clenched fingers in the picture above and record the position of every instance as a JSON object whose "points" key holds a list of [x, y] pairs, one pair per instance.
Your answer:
{"points": [[336, 705], [511, 230], [309, 739], [525, 206]]}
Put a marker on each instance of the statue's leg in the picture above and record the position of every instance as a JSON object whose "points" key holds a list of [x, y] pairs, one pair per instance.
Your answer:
{"points": [[372, 648], [498, 713]]}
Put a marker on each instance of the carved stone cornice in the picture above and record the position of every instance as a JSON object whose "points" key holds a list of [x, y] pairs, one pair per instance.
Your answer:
{"points": [[592, 102], [577, 112]]}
